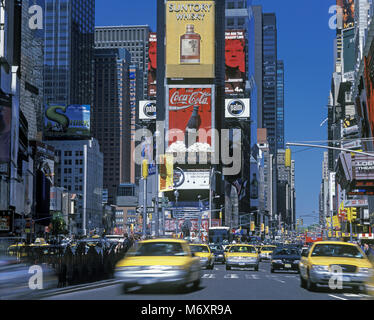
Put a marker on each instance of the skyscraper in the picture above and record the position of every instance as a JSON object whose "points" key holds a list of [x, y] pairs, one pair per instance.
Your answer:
{"points": [[280, 104], [269, 112], [69, 45], [111, 115]]}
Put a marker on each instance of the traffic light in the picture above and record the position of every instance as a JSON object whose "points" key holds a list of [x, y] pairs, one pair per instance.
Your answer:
{"points": [[353, 214], [288, 158], [252, 226], [220, 215], [145, 169]]}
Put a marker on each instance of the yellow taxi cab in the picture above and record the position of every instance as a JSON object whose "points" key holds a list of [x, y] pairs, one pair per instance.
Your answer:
{"points": [[40, 244], [266, 252], [336, 263], [242, 256], [226, 251], [17, 250], [205, 254], [159, 262]]}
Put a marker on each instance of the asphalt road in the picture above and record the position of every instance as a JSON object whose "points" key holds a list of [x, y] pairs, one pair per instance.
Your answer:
{"points": [[219, 284]]}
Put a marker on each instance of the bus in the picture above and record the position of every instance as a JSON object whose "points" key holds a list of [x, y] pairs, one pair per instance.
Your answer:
{"points": [[220, 234]]}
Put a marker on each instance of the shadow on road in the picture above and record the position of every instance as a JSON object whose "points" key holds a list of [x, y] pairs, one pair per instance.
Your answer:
{"points": [[163, 291]]}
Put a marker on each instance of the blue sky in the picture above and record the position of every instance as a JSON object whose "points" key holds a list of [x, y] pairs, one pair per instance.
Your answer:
{"points": [[305, 43]]}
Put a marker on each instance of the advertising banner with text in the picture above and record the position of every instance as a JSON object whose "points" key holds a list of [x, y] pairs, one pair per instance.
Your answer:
{"points": [[190, 39], [190, 108], [235, 62], [152, 65]]}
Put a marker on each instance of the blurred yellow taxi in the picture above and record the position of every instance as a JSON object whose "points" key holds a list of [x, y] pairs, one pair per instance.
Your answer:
{"points": [[17, 250], [227, 250], [205, 254], [266, 252], [242, 256], [334, 263], [158, 262]]}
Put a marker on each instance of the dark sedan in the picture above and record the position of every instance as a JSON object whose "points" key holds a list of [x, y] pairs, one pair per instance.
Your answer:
{"points": [[218, 252], [285, 259]]}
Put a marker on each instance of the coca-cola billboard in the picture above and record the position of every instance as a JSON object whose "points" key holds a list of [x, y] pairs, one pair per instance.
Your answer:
{"points": [[190, 110]]}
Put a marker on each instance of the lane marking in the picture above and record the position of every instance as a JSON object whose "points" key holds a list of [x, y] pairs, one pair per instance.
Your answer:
{"points": [[208, 276], [336, 297], [231, 276], [252, 277]]}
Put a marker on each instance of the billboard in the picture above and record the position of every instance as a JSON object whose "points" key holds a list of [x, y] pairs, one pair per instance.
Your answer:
{"points": [[347, 13], [5, 128], [166, 173], [235, 62], [190, 39], [191, 179], [152, 65], [237, 108], [190, 108], [71, 121], [147, 110]]}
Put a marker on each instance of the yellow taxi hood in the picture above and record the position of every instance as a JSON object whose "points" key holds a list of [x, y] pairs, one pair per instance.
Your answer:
{"points": [[153, 261], [326, 261], [242, 254], [203, 254]]}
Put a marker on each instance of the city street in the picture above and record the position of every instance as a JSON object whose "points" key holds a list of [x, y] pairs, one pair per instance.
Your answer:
{"points": [[219, 284]]}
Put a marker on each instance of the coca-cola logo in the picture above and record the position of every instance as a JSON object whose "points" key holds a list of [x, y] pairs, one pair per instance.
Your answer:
{"points": [[236, 108], [182, 100], [149, 110]]}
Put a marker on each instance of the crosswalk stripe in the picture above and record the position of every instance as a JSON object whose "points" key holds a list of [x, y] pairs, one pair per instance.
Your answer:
{"points": [[231, 276], [252, 277], [208, 276]]}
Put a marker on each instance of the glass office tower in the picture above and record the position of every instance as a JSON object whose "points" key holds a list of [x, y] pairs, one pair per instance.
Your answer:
{"points": [[269, 111], [280, 104], [69, 45]]}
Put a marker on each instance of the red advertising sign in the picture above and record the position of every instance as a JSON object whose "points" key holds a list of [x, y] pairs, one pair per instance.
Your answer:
{"points": [[152, 65], [235, 62], [190, 109]]}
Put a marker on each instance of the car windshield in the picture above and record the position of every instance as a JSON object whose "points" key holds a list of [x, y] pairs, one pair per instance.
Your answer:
{"points": [[267, 249], [287, 252], [216, 248], [336, 250], [245, 249], [160, 249], [203, 249]]}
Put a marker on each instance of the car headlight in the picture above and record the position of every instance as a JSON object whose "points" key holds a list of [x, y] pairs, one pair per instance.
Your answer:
{"points": [[276, 261], [119, 269], [319, 268]]}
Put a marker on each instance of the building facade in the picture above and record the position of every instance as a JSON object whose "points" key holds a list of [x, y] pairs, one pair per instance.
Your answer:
{"points": [[111, 116], [80, 170]]}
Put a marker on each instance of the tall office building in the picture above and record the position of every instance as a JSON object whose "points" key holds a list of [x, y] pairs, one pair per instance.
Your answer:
{"points": [[111, 116], [135, 40], [280, 104], [132, 38], [269, 112], [69, 45], [32, 59], [80, 170]]}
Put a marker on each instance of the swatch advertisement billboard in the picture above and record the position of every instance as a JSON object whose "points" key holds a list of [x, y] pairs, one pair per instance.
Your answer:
{"points": [[190, 110], [235, 62], [190, 39], [71, 121], [152, 65]]}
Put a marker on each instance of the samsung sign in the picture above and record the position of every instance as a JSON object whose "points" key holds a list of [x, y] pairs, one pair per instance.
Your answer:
{"points": [[237, 108], [147, 110]]}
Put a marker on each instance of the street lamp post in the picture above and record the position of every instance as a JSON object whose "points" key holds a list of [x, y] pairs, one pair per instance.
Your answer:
{"points": [[176, 194], [200, 213]]}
